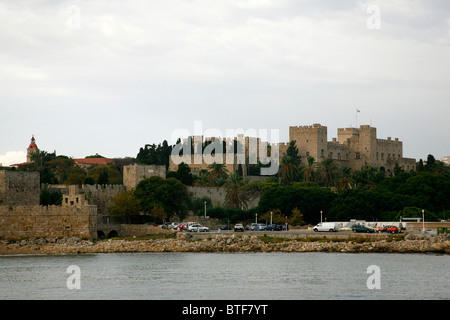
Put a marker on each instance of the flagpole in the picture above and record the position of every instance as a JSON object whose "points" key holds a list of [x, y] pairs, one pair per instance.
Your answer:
{"points": [[356, 124]]}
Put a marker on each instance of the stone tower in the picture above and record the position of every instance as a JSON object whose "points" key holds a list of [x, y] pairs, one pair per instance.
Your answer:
{"points": [[32, 148], [311, 141]]}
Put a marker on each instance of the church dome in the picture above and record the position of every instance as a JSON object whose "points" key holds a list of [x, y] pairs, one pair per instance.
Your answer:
{"points": [[33, 144]]}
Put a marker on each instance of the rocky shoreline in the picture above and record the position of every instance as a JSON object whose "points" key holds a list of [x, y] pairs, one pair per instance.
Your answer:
{"points": [[410, 243]]}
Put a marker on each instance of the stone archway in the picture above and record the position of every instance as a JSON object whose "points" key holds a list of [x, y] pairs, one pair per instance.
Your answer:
{"points": [[113, 234], [101, 234]]}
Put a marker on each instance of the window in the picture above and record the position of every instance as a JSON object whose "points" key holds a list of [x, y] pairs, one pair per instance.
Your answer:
{"points": [[357, 155]]}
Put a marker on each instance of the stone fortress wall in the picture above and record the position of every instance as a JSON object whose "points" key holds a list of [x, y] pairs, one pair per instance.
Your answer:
{"points": [[19, 188]]}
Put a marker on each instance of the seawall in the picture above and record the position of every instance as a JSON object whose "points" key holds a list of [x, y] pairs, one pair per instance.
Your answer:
{"points": [[411, 243]]}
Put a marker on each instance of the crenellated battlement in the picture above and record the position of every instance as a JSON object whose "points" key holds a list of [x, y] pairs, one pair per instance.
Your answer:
{"points": [[308, 128]]}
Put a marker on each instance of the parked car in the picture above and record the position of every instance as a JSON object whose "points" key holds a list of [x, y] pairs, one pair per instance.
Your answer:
{"points": [[165, 225], [238, 227], [197, 228], [361, 228], [388, 229], [224, 227], [253, 226], [326, 226], [260, 227], [174, 225], [180, 226], [274, 227]]}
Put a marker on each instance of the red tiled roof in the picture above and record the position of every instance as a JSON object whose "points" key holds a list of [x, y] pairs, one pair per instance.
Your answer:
{"points": [[93, 161], [19, 164]]}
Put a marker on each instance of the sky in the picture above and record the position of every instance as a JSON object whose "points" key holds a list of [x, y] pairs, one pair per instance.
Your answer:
{"points": [[108, 77]]}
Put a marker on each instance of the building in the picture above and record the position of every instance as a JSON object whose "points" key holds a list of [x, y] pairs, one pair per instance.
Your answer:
{"points": [[32, 148], [354, 147], [134, 173], [89, 163], [445, 160]]}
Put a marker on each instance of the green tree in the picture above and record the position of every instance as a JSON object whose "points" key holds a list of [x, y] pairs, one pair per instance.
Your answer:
{"points": [[328, 172], [155, 154], [50, 197], [235, 197], [105, 174], [345, 181], [310, 170], [296, 218], [124, 204], [309, 200], [184, 174], [430, 163], [397, 169], [218, 173], [170, 194], [289, 171], [414, 212], [368, 177], [103, 178], [292, 151]]}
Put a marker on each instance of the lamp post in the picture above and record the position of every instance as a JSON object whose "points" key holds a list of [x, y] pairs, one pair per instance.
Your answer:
{"points": [[320, 216], [205, 209], [423, 220], [270, 217], [256, 221]]}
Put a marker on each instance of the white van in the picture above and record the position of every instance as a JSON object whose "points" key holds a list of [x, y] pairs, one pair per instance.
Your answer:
{"points": [[326, 226]]}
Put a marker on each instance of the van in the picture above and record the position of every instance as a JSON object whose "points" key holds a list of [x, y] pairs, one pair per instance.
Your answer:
{"points": [[326, 226]]}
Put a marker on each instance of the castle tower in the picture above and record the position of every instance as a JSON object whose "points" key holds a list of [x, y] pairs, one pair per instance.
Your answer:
{"points": [[311, 141], [32, 148]]}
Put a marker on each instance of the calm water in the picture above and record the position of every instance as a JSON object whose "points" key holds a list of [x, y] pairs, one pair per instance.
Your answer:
{"points": [[227, 276]]}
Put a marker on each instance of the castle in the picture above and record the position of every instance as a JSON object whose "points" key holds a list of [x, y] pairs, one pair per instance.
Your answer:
{"points": [[353, 148]]}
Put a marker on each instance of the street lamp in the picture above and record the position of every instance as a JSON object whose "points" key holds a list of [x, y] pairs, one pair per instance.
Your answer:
{"points": [[256, 218], [320, 216], [205, 209], [423, 220], [270, 217]]}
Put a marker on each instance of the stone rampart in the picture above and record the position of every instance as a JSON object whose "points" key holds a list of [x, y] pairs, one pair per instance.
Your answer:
{"points": [[19, 188], [98, 195], [34, 221]]}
